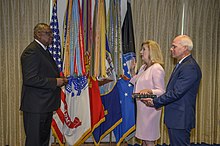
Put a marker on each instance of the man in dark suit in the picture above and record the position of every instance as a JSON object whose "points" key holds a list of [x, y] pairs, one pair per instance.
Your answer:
{"points": [[40, 94], [180, 96]]}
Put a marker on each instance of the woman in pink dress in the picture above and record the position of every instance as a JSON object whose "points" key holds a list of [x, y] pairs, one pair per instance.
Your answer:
{"points": [[149, 80]]}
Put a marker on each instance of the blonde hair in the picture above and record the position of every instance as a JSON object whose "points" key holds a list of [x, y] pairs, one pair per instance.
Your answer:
{"points": [[155, 51]]}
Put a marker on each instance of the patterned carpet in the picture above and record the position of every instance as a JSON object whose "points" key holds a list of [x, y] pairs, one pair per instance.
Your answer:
{"points": [[203, 144]]}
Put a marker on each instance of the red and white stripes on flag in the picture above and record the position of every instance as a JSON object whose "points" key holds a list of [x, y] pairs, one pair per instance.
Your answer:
{"points": [[55, 50]]}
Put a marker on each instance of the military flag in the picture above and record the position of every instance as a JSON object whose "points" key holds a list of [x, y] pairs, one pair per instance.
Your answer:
{"points": [[112, 115], [77, 108], [71, 120], [107, 77], [96, 107], [127, 103]]}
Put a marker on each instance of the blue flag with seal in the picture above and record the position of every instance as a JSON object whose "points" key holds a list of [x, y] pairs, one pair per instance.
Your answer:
{"points": [[112, 112]]}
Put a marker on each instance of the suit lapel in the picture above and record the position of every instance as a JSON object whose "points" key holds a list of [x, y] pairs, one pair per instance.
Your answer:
{"points": [[176, 71], [48, 56]]}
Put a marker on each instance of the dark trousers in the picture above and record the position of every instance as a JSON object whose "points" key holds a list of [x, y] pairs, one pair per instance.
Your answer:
{"points": [[37, 128], [179, 137]]}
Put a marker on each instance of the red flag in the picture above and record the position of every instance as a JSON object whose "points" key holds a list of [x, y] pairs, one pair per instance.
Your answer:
{"points": [[96, 107]]}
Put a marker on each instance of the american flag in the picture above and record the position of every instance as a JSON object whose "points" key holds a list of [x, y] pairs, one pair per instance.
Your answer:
{"points": [[55, 47], [55, 50]]}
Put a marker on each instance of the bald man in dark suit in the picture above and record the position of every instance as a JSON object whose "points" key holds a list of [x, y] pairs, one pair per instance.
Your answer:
{"points": [[41, 87], [180, 96]]}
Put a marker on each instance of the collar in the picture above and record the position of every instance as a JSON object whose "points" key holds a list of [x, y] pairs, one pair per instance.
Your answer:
{"points": [[45, 48], [183, 59]]}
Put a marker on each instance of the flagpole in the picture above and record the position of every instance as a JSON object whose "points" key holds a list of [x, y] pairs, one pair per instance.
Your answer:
{"points": [[110, 138]]}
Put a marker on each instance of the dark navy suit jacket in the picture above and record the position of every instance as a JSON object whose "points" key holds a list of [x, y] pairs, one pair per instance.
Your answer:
{"points": [[180, 96], [39, 91]]}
